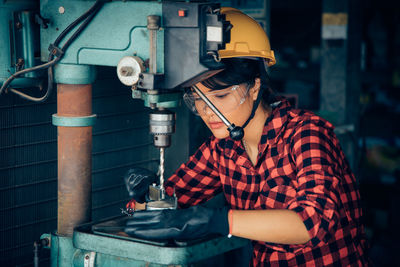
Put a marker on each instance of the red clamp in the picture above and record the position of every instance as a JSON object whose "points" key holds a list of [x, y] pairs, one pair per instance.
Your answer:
{"points": [[130, 208]]}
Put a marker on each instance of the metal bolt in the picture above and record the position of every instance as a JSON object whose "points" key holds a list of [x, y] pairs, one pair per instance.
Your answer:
{"points": [[45, 241], [87, 257], [18, 24], [126, 71], [61, 10], [153, 22], [20, 64]]}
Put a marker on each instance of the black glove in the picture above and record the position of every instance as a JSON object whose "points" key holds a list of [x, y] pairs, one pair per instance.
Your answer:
{"points": [[184, 224], [137, 181]]}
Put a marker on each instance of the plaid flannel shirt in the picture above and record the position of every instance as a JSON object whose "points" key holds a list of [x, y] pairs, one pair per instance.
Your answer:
{"points": [[300, 167]]}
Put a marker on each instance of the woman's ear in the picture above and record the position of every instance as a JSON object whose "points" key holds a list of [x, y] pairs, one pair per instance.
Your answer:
{"points": [[255, 89]]}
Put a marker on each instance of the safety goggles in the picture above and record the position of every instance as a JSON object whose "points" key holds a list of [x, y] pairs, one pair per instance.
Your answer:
{"points": [[225, 100]]}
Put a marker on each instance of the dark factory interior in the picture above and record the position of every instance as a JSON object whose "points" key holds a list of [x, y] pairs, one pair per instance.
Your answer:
{"points": [[339, 59]]}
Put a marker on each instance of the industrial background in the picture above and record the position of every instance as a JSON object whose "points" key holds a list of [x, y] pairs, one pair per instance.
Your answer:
{"points": [[346, 70]]}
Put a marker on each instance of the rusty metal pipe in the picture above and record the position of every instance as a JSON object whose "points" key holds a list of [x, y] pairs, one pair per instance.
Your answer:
{"points": [[74, 158]]}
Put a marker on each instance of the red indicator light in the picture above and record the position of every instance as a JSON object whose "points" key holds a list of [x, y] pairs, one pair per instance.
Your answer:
{"points": [[182, 13]]}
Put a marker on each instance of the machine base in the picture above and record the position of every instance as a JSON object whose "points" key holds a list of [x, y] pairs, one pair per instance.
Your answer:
{"points": [[105, 244]]}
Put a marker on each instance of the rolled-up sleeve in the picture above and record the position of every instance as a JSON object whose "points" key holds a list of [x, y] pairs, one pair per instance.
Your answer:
{"points": [[313, 149], [197, 180]]}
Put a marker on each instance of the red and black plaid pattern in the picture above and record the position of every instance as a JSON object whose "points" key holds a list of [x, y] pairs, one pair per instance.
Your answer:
{"points": [[301, 167]]}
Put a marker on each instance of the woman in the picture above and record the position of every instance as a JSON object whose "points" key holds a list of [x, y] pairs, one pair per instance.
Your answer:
{"points": [[287, 183]]}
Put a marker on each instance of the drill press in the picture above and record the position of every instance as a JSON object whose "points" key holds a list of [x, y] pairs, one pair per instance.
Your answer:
{"points": [[184, 39]]}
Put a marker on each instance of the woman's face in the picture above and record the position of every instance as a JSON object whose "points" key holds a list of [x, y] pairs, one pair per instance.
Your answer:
{"points": [[236, 114]]}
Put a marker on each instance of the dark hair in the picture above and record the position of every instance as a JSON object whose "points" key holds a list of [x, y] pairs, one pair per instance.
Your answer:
{"points": [[238, 71]]}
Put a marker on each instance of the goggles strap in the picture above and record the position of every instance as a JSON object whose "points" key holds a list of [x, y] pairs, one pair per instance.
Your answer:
{"points": [[263, 75]]}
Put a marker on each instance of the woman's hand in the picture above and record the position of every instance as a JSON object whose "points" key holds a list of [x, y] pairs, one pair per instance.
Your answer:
{"points": [[183, 224], [137, 181]]}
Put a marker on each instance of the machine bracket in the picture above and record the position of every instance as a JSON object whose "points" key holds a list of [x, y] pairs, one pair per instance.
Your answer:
{"points": [[157, 100]]}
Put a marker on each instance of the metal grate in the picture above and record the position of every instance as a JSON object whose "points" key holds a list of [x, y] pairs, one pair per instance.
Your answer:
{"points": [[28, 163]]}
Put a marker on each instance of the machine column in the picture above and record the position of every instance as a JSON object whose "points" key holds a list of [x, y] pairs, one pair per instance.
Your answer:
{"points": [[340, 71], [74, 120]]}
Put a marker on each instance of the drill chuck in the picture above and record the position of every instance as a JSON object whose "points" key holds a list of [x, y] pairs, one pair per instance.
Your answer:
{"points": [[162, 125]]}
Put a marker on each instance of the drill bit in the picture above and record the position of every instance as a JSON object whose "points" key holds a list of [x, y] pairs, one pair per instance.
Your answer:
{"points": [[161, 168]]}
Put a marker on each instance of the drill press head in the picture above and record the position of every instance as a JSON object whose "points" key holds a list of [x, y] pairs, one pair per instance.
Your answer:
{"points": [[179, 63]]}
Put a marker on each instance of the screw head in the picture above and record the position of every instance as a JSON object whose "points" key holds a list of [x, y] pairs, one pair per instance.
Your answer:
{"points": [[18, 24]]}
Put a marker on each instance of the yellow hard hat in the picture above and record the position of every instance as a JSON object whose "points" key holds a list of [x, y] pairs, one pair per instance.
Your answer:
{"points": [[248, 38]]}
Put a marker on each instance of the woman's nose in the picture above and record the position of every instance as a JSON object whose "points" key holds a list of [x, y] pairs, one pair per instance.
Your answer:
{"points": [[207, 110]]}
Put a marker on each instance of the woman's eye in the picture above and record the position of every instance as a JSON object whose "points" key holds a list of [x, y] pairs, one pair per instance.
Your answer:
{"points": [[221, 96]]}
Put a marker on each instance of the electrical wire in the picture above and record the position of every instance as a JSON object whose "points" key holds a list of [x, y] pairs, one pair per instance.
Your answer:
{"points": [[87, 17], [79, 30], [54, 61], [49, 86], [15, 75], [76, 22]]}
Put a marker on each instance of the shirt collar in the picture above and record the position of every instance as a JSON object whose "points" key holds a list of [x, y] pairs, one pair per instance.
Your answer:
{"points": [[275, 123], [272, 129]]}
